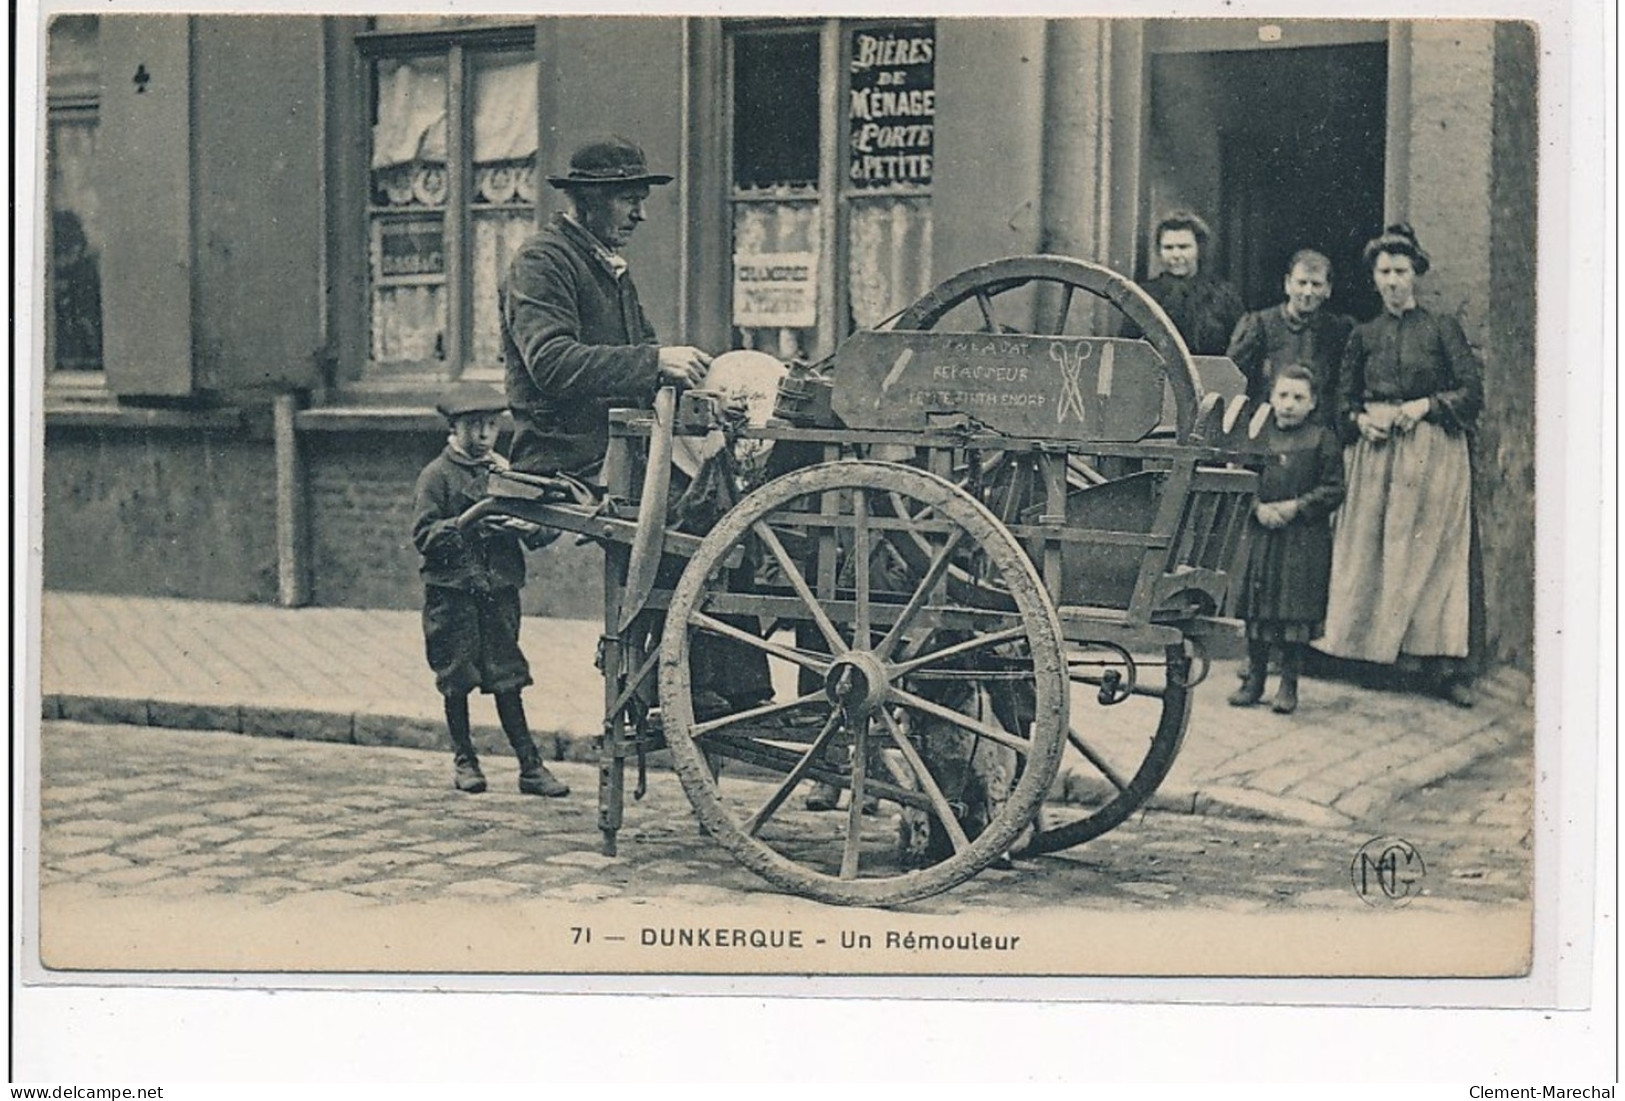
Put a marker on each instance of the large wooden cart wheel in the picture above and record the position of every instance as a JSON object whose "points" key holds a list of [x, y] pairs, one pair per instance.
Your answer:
{"points": [[893, 686], [1034, 295]]}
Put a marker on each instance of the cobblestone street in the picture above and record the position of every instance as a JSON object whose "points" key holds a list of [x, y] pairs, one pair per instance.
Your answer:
{"points": [[233, 826]]}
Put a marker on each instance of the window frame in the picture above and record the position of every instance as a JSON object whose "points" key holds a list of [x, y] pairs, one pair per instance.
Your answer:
{"points": [[834, 191], [79, 103], [356, 371]]}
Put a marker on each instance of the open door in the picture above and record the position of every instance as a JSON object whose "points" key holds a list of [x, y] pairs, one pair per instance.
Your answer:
{"points": [[1280, 149]]}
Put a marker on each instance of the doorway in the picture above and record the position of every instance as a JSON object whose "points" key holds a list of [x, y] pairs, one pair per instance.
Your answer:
{"points": [[1279, 149]]}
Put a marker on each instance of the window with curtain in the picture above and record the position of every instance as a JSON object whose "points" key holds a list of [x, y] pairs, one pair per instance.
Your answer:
{"points": [[832, 133], [73, 230], [452, 191]]}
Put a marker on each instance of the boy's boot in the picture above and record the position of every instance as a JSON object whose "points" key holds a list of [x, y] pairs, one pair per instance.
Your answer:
{"points": [[468, 776], [534, 777], [1286, 693], [1252, 685]]}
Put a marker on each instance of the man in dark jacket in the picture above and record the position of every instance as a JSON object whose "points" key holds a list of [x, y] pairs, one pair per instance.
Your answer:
{"points": [[1299, 330], [575, 339], [577, 343]]}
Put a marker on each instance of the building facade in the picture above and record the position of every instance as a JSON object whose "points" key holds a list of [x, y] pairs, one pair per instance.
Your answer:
{"points": [[273, 239]]}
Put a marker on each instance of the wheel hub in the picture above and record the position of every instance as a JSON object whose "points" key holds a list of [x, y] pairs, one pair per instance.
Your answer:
{"points": [[857, 682]]}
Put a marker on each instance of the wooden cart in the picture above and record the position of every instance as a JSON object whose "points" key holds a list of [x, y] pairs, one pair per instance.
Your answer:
{"points": [[979, 569]]}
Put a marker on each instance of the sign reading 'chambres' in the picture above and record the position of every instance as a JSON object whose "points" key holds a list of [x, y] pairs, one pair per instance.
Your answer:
{"points": [[776, 290]]}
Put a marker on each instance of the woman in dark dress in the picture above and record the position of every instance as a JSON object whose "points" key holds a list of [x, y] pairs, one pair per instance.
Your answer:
{"points": [[1289, 556], [1403, 590], [1203, 307]]}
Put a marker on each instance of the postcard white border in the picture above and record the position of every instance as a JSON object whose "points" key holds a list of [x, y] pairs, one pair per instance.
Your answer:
{"points": [[96, 1031]]}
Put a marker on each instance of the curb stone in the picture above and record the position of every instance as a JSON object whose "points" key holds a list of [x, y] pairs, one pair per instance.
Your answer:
{"points": [[417, 732], [364, 728], [299, 723], [195, 716], [103, 709]]}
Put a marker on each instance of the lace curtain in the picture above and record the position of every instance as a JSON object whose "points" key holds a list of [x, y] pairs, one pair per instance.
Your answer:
{"points": [[410, 189]]}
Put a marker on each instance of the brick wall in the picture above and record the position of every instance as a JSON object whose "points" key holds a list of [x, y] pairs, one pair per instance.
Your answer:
{"points": [[160, 511], [360, 496], [190, 512]]}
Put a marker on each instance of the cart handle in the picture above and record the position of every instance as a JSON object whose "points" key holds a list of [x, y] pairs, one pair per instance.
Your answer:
{"points": [[650, 535]]}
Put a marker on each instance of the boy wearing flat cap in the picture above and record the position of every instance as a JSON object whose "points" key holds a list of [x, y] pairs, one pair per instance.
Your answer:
{"points": [[471, 581]]}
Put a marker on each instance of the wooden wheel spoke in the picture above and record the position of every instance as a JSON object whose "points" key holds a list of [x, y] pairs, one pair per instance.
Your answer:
{"points": [[984, 302], [927, 782], [1097, 760], [795, 776], [860, 558], [922, 592], [1066, 308], [749, 714], [960, 719], [854, 813], [899, 506], [818, 663], [792, 573], [1009, 634]]}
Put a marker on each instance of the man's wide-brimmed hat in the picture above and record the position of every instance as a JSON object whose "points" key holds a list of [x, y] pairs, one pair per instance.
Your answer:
{"points": [[610, 161], [465, 399]]}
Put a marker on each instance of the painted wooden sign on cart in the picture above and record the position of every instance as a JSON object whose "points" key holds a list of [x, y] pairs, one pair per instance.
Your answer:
{"points": [[1038, 387]]}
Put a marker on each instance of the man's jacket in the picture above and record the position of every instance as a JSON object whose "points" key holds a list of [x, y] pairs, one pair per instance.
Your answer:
{"points": [[576, 343]]}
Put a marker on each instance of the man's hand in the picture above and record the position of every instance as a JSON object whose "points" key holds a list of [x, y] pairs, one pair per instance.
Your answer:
{"points": [[683, 366]]}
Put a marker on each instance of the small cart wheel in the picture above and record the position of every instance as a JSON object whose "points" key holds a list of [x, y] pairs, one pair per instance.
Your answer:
{"points": [[1111, 766], [907, 701]]}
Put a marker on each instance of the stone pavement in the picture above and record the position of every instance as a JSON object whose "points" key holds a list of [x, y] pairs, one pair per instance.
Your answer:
{"points": [[207, 851], [358, 677]]}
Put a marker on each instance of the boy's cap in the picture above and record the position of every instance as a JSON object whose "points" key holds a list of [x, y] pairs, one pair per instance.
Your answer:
{"points": [[468, 398]]}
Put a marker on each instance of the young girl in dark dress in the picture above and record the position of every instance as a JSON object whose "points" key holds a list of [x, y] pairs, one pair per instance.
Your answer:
{"points": [[1289, 560]]}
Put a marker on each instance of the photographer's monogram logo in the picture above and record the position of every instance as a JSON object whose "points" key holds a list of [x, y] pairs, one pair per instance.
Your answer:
{"points": [[1387, 871]]}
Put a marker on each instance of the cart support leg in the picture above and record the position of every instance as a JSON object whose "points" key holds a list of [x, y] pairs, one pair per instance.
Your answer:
{"points": [[612, 743], [611, 782]]}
